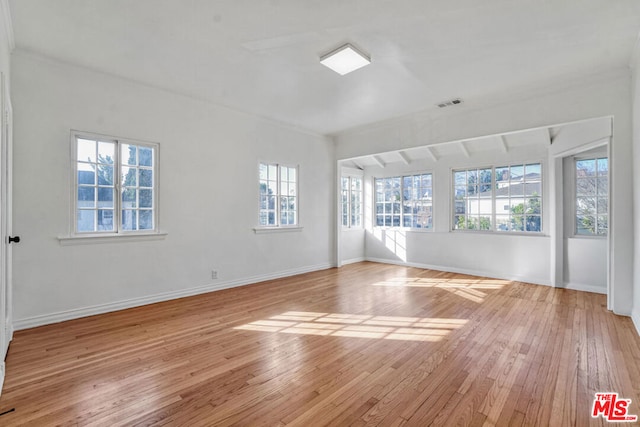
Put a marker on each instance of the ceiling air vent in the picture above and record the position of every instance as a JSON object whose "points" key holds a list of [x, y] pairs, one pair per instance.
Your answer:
{"points": [[450, 102]]}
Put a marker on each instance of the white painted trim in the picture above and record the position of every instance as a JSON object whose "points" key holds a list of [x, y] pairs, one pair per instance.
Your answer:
{"points": [[480, 273], [8, 26], [46, 319], [635, 317], [584, 288], [353, 260], [276, 229], [110, 238], [2, 368]]}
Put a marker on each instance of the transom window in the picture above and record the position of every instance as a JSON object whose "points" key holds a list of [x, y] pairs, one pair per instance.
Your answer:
{"points": [[115, 185], [404, 201], [351, 192], [592, 196], [503, 198], [278, 195]]}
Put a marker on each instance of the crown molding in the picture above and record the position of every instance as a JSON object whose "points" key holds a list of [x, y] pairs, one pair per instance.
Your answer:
{"points": [[8, 24]]}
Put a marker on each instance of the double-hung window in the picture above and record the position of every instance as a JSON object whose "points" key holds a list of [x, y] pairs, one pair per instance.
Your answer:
{"points": [[351, 195], [115, 186], [592, 196], [503, 198], [278, 195], [404, 201]]}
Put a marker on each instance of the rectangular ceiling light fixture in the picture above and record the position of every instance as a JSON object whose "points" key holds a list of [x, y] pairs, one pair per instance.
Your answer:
{"points": [[345, 59]]}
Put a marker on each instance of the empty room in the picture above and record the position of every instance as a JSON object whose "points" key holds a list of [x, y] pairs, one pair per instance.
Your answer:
{"points": [[304, 213]]}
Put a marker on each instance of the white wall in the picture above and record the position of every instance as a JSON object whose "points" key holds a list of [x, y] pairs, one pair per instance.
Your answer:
{"points": [[636, 183], [208, 195], [605, 95], [498, 255]]}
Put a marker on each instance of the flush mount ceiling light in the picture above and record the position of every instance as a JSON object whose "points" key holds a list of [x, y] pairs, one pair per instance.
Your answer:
{"points": [[345, 59]]}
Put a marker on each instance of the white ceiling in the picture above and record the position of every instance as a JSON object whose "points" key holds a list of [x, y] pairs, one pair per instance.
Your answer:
{"points": [[261, 57]]}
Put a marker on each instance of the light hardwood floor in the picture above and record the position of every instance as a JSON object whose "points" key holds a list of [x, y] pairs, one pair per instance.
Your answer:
{"points": [[367, 344]]}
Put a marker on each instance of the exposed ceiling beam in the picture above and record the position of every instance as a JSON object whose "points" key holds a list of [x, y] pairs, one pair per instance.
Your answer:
{"points": [[404, 157], [505, 146], [464, 149], [357, 165], [432, 154], [379, 161]]}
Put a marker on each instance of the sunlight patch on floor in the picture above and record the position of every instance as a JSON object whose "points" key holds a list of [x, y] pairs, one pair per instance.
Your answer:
{"points": [[470, 289], [357, 326]]}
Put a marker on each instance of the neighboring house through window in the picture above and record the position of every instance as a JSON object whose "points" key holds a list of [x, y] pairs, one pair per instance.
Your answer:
{"points": [[404, 201], [504, 198], [115, 185]]}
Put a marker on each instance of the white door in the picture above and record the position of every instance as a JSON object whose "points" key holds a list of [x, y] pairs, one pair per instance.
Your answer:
{"points": [[6, 330]]}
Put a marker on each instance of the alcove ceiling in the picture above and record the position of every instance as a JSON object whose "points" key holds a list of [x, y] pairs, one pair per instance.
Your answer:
{"points": [[588, 133], [263, 57]]}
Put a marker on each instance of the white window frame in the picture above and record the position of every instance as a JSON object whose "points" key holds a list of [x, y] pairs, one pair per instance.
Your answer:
{"points": [[493, 215], [401, 177], [574, 215], [279, 195], [350, 191], [117, 187]]}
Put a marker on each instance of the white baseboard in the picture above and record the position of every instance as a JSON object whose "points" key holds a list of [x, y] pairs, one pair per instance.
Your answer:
{"points": [[515, 278], [353, 260], [585, 288], [635, 317], [46, 319]]}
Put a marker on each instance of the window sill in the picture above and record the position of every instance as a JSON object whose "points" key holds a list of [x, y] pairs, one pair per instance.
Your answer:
{"points": [[502, 233], [111, 238], [405, 229], [262, 230]]}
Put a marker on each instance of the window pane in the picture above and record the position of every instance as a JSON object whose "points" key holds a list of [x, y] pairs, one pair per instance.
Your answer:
{"points": [[585, 224], [86, 174], [603, 205], [86, 197], [533, 223], [105, 175], [517, 173], [128, 154], [603, 186], [145, 156], [129, 176], [86, 220], [129, 198], [105, 220], [284, 174], [585, 168], [502, 174], [502, 222], [146, 177], [517, 222], [603, 166], [129, 219], [145, 199], [105, 152], [603, 224], [585, 205], [534, 205], [503, 206], [105, 198], [86, 150], [273, 172], [533, 172], [293, 175], [585, 186], [145, 217], [460, 178], [484, 223], [263, 172]]}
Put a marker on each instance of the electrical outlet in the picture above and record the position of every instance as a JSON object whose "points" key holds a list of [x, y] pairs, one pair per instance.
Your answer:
{"points": [[214, 274]]}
